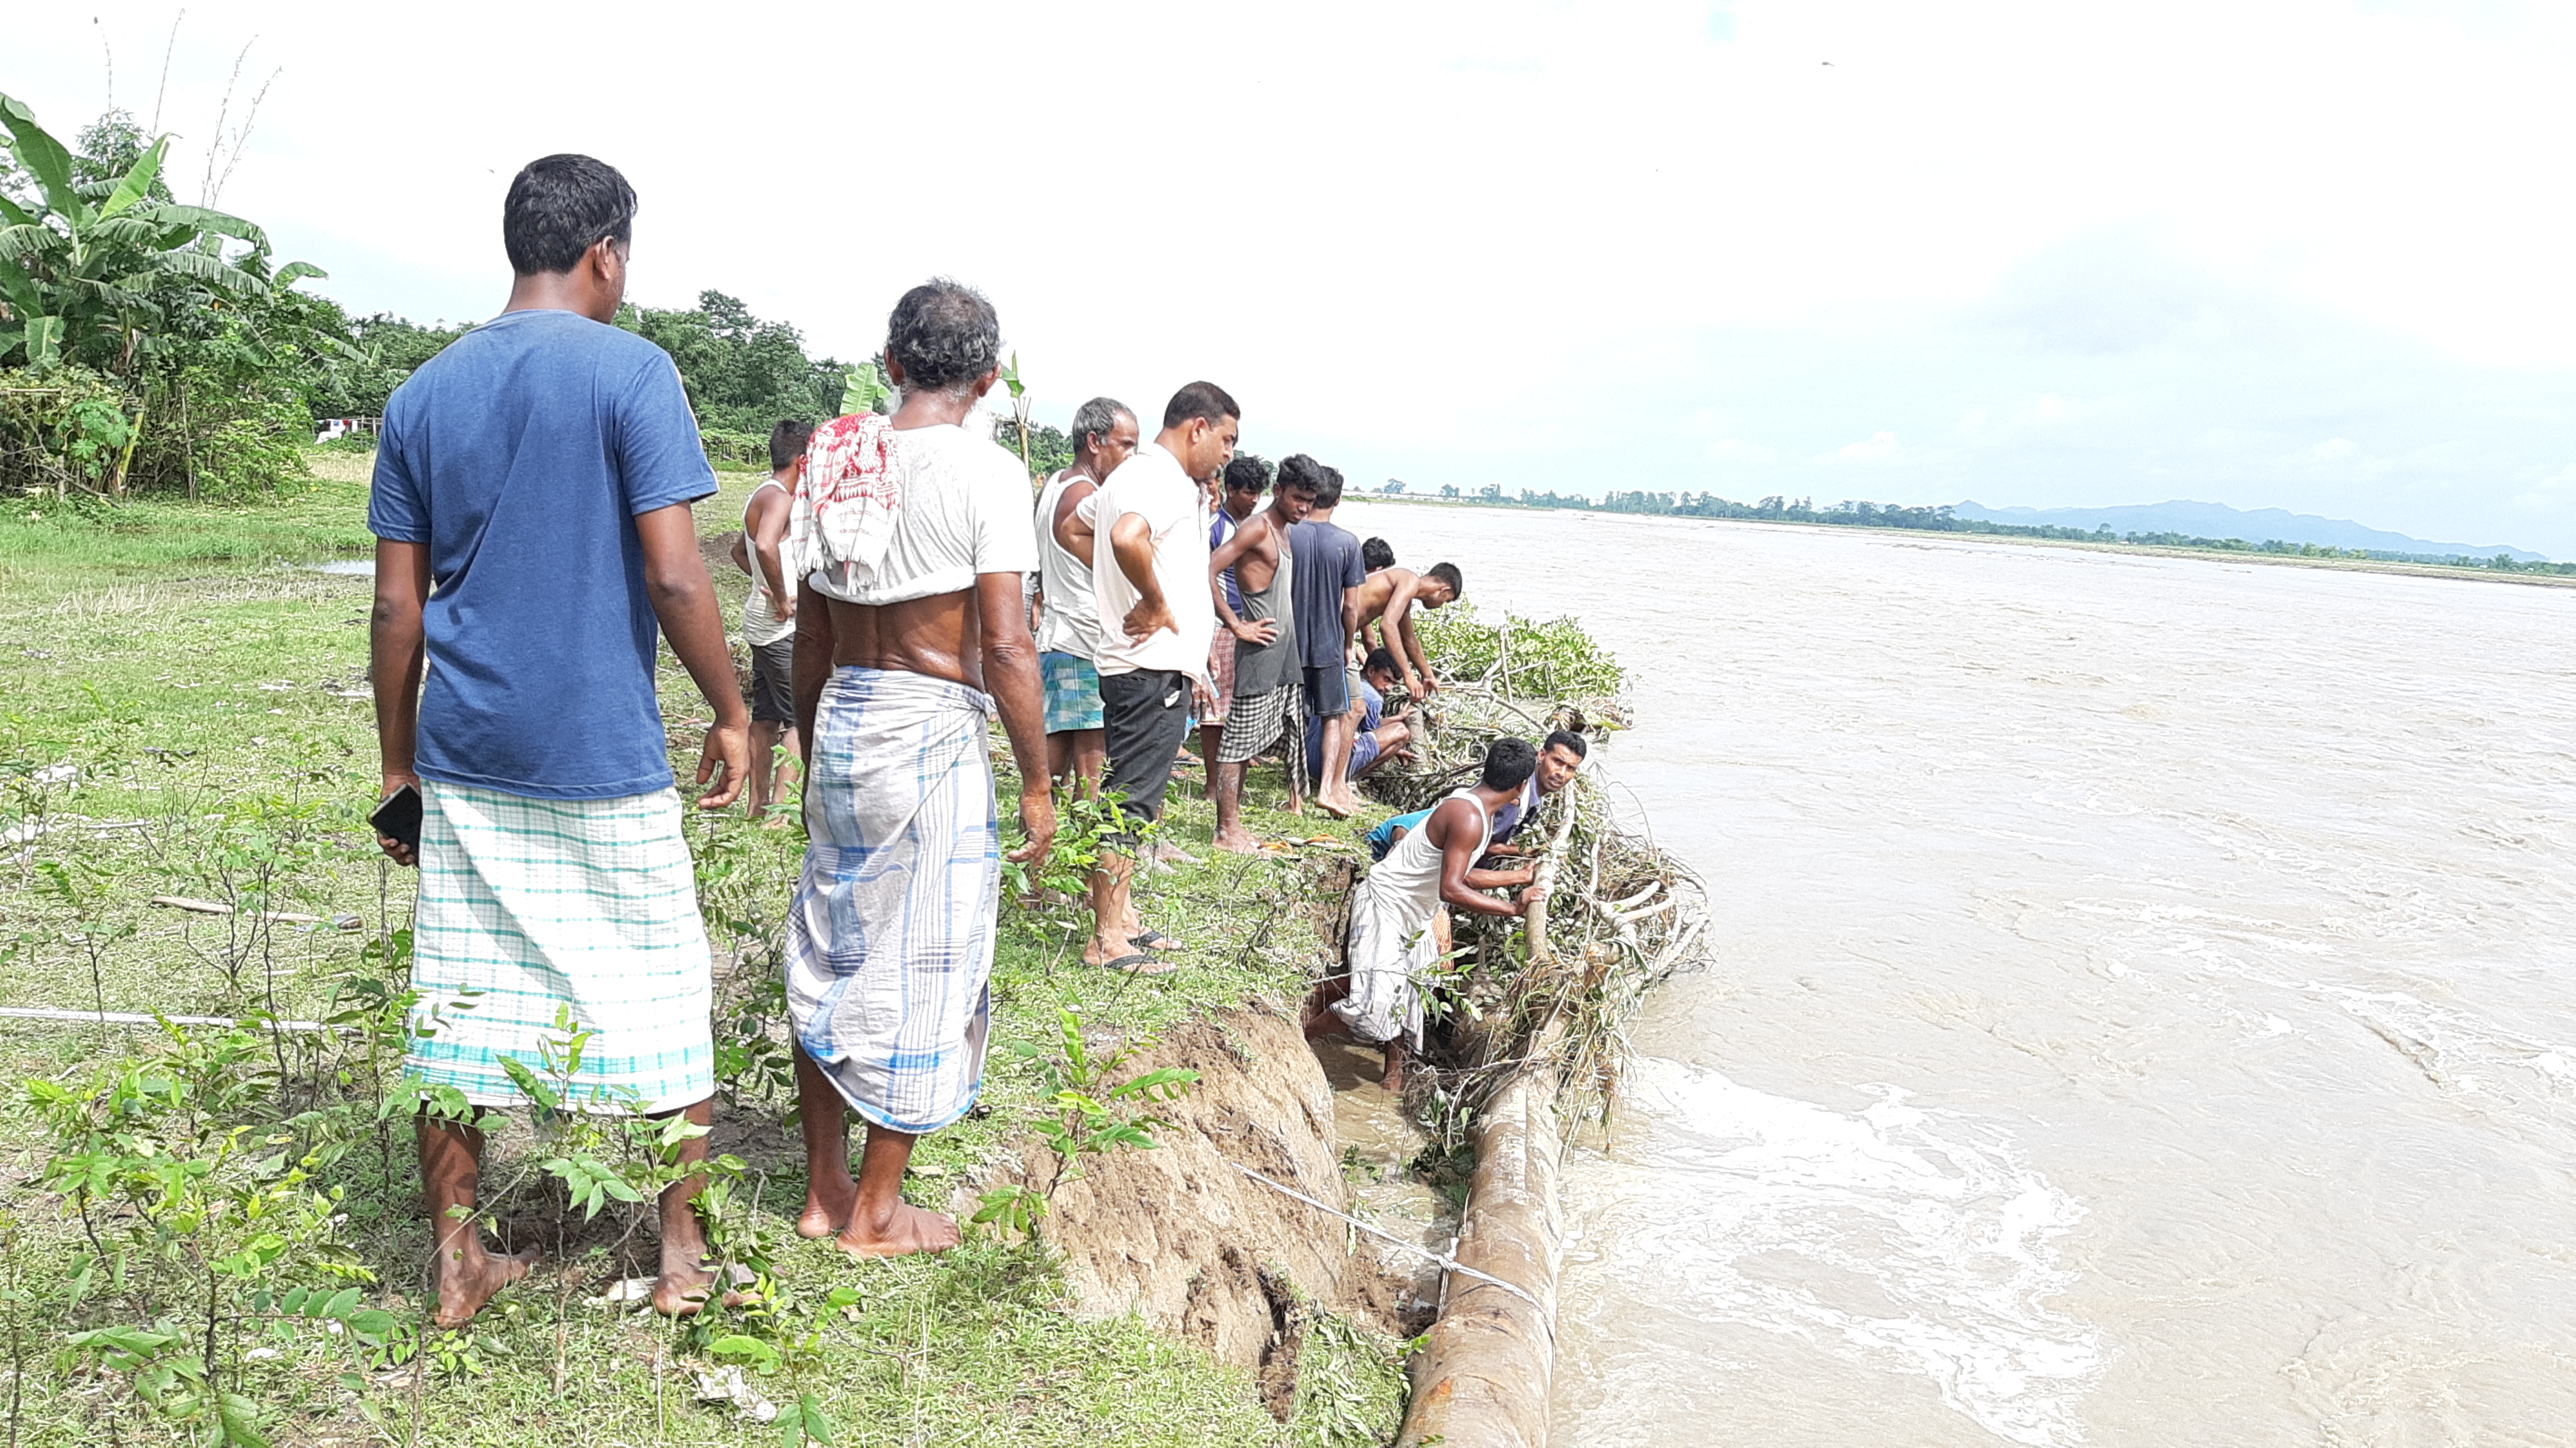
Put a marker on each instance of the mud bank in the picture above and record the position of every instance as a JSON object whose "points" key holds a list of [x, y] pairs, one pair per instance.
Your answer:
{"points": [[1183, 1238]]}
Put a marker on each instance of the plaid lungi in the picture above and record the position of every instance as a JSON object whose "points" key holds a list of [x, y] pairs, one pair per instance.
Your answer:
{"points": [[1255, 721], [1072, 692], [528, 906], [890, 940]]}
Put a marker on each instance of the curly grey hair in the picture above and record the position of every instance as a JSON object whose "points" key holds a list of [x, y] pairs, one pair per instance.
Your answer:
{"points": [[945, 334]]}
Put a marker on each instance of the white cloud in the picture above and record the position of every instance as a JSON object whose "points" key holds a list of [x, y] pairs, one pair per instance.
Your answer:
{"points": [[1878, 447]]}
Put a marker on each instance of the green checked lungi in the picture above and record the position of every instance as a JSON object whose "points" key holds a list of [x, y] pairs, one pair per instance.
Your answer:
{"points": [[530, 905]]}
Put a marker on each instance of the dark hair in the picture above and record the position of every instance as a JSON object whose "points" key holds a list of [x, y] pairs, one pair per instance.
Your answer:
{"points": [[1247, 474], [1566, 739], [1448, 573], [560, 207], [1509, 762], [1376, 553], [1097, 418], [1381, 660], [1204, 401], [1300, 471], [787, 442], [1329, 493], [945, 334]]}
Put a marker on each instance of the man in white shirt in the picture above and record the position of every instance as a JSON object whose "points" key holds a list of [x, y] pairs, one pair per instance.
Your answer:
{"points": [[910, 635], [1104, 435], [1149, 581]]}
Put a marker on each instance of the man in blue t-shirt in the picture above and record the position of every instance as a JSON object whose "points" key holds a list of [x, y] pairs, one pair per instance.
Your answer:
{"points": [[1327, 588], [531, 510]]}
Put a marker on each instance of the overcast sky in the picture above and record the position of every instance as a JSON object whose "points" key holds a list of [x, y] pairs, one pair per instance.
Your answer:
{"points": [[2304, 255]]}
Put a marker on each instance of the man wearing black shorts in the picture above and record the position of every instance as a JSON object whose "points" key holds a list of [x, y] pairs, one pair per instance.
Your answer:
{"points": [[1149, 524]]}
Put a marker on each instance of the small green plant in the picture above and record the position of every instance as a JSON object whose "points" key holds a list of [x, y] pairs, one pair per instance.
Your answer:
{"points": [[201, 1225], [84, 888], [1084, 1115]]}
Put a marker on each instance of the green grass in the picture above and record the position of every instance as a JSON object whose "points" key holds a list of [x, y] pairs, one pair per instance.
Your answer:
{"points": [[208, 700]]}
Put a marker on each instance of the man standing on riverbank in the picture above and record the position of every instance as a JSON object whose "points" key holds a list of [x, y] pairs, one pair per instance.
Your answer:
{"points": [[1261, 620], [1148, 576], [912, 634], [1104, 435], [1238, 496], [539, 472], [1329, 576], [769, 613]]}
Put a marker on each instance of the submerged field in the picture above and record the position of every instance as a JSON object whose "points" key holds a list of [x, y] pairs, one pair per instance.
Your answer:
{"points": [[184, 713]]}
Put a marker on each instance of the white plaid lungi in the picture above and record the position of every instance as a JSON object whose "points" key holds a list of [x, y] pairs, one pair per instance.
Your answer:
{"points": [[890, 942], [531, 905]]}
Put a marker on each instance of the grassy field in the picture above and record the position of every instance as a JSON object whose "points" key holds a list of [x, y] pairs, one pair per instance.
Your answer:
{"points": [[184, 712]]}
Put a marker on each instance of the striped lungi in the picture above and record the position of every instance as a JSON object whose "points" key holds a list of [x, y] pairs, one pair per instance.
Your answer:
{"points": [[530, 906], [890, 941]]}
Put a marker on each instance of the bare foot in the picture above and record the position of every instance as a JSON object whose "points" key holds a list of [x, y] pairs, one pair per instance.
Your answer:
{"points": [[827, 1207], [1239, 842], [683, 1291], [463, 1288], [908, 1229], [1334, 807]]}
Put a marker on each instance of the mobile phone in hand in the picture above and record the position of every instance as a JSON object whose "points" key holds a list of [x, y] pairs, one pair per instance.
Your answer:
{"points": [[398, 818]]}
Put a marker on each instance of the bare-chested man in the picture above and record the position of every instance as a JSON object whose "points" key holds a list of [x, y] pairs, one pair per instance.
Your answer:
{"points": [[769, 613], [911, 630], [1268, 674], [1386, 613]]}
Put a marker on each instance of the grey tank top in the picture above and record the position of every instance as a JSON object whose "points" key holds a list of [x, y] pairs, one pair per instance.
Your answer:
{"points": [[1260, 668]]}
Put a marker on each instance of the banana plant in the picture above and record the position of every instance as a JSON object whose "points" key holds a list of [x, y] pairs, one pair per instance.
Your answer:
{"points": [[87, 270], [1019, 404]]}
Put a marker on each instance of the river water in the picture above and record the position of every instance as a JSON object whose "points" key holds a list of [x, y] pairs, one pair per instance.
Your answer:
{"points": [[2141, 1008]]}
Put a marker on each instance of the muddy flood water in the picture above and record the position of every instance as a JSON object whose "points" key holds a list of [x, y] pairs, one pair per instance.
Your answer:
{"points": [[2144, 1000]]}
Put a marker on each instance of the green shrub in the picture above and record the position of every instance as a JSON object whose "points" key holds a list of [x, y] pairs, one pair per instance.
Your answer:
{"points": [[256, 452], [1524, 657], [735, 449], [62, 428]]}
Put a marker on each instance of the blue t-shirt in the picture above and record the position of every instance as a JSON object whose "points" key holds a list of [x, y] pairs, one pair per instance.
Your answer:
{"points": [[1328, 561], [521, 456], [1382, 839]]}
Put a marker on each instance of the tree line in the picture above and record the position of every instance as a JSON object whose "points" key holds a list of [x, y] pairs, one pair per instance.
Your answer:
{"points": [[1941, 519], [147, 344]]}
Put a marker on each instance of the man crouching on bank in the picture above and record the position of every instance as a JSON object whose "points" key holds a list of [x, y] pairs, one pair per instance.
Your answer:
{"points": [[909, 632]]}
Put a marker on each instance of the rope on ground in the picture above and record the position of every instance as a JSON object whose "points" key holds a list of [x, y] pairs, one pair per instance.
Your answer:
{"points": [[1443, 1259]]}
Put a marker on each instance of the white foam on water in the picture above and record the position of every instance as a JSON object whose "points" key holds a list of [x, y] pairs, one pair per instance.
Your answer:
{"points": [[1906, 1239]]}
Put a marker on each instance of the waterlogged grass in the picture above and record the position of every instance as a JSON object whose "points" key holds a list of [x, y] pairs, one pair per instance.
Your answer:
{"points": [[184, 714]]}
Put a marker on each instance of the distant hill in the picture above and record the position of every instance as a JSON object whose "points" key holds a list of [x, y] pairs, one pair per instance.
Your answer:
{"points": [[2217, 520]]}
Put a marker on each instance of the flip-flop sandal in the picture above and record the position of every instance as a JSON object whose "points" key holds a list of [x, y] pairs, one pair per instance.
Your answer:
{"points": [[1155, 940], [1138, 964]]}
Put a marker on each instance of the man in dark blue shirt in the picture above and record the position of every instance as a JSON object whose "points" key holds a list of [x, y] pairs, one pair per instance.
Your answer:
{"points": [[1326, 585], [531, 509]]}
